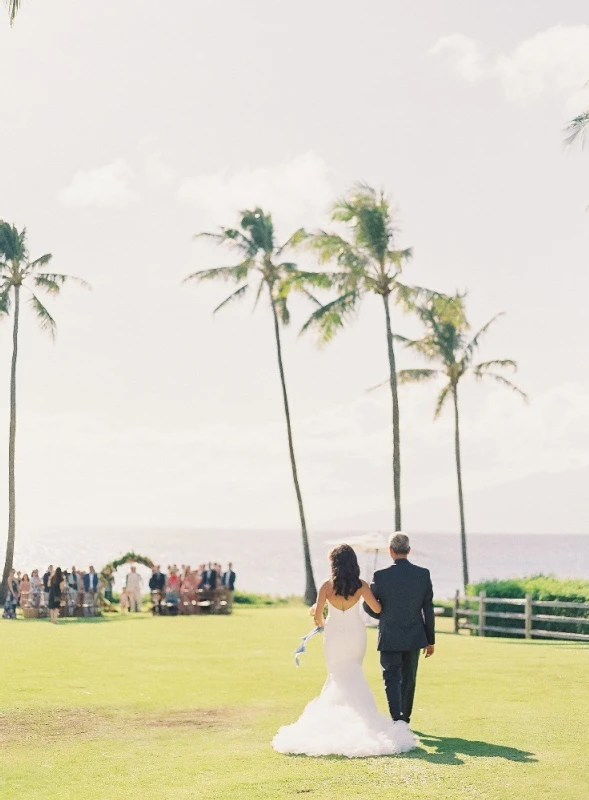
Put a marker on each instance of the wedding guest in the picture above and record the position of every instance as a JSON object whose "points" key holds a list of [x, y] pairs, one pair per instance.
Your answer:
{"points": [[134, 584], [81, 587], [47, 577], [109, 583], [11, 597], [173, 587], [229, 577], [24, 591], [125, 600], [36, 587], [157, 585], [56, 589], [210, 578], [91, 582], [72, 580]]}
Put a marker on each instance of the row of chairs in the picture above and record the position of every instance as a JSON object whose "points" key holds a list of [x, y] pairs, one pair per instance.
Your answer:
{"points": [[203, 601], [73, 604]]}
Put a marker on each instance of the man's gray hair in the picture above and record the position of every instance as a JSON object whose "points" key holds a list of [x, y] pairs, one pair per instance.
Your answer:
{"points": [[399, 543]]}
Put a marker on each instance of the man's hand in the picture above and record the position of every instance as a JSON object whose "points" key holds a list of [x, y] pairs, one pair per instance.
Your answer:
{"points": [[429, 650]]}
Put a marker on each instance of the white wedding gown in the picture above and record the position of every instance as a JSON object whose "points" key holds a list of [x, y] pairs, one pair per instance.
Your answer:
{"points": [[344, 719]]}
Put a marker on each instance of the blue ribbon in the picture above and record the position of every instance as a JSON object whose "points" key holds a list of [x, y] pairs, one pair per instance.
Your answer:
{"points": [[302, 648]]}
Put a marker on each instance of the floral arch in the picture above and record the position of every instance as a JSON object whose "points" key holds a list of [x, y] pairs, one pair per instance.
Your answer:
{"points": [[129, 558]]}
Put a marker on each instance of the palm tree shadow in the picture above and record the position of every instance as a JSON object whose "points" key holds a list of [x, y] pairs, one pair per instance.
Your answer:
{"points": [[448, 750]]}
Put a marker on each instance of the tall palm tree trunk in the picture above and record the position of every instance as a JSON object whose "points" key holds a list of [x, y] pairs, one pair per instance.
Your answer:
{"points": [[310, 588], [8, 563], [396, 427], [460, 495]]}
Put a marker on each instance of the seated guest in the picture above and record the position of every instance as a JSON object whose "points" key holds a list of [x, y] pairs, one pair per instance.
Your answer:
{"points": [[36, 587], [173, 587], [24, 591], [229, 578]]}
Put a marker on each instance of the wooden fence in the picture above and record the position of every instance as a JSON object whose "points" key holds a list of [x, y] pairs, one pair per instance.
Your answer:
{"points": [[533, 612]]}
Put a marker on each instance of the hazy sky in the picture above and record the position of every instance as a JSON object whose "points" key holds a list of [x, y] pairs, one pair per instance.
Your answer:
{"points": [[125, 130]]}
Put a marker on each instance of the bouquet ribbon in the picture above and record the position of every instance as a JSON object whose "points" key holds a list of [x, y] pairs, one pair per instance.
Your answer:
{"points": [[302, 648]]}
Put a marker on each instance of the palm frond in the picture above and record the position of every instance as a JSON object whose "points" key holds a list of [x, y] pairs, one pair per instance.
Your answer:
{"points": [[329, 318], [46, 321], [236, 295], [441, 401], [53, 281], [13, 8], [475, 341], [503, 382], [232, 238], [42, 261], [237, 273], [405, 376], [13, 244], [503, 363], [578, 130], [5, 301], [261, 286]]}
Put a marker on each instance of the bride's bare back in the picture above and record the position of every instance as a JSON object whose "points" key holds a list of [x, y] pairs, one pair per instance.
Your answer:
{"points": [[327, 592]]}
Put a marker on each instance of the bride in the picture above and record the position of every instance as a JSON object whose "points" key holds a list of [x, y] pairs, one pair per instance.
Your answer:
{"points": [[344, 719]]}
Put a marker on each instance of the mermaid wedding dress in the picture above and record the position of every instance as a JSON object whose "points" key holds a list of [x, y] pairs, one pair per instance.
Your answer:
{"points": [[344, 719]]}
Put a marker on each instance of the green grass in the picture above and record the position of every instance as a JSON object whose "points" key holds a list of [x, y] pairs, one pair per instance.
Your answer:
{"points": [[184, 708]]}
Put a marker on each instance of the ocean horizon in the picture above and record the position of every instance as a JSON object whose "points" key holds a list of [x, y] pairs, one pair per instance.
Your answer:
{"points": [[270, 561]]}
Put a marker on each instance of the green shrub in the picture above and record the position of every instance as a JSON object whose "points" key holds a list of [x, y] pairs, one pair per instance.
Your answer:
{"points": [[263, 600], [541, 587]]}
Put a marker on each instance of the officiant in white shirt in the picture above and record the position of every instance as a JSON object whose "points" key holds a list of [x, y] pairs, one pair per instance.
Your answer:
{"points": [[134, 584]]}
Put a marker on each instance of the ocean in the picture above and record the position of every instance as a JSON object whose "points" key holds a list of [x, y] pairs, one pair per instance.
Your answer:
{"points": [[270, 562]]}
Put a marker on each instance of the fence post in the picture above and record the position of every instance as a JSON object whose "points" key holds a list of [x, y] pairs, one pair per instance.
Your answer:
{"points": [[482, 613], [528, 620], [455, 610]]}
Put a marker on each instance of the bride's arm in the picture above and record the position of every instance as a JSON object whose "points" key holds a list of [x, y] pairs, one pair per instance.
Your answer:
{"points": [[369, 598], [320, 605]]}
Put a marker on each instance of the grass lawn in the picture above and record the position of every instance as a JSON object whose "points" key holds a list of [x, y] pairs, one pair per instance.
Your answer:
{"points": [[186, 708]]}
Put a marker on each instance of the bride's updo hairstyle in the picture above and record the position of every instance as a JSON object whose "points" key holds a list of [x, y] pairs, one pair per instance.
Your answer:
{"points": [[345, 572]]}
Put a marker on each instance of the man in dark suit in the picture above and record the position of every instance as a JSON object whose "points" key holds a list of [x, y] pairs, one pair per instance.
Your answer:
{"points": [[157, 585], [229, 578], [210, 578], [406, 625], [91, 581]]}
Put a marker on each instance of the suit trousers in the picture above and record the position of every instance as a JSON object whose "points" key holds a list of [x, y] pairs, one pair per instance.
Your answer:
{"points": [[399, 670]]}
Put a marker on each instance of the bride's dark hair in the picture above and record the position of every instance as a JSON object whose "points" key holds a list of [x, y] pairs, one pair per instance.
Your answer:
{"points": [[345, 572]]}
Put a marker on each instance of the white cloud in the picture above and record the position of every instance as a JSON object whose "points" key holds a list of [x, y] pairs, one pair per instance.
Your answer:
{"points": [[101, 186], [555, 60], [296, 193]]}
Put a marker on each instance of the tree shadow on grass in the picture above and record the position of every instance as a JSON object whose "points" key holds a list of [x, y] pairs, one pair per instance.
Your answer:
{"points": [[448, 750]]}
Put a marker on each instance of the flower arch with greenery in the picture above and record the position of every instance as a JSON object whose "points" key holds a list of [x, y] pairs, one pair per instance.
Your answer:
{"points": [[129, 558]]}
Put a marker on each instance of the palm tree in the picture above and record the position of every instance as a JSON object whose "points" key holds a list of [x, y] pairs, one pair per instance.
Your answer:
{"points": [[16, 273], [13, 7], [447, 342], [261, 259], [368, 263], [578, 129]]}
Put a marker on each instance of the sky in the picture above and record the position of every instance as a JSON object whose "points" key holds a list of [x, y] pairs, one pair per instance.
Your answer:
{"points": [[124, 131]]}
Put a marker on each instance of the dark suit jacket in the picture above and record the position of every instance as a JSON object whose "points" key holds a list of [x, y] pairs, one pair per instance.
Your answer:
{"points": [[157, 582], [209, 578], [90, 582], [229, 580], [406, 621]]}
